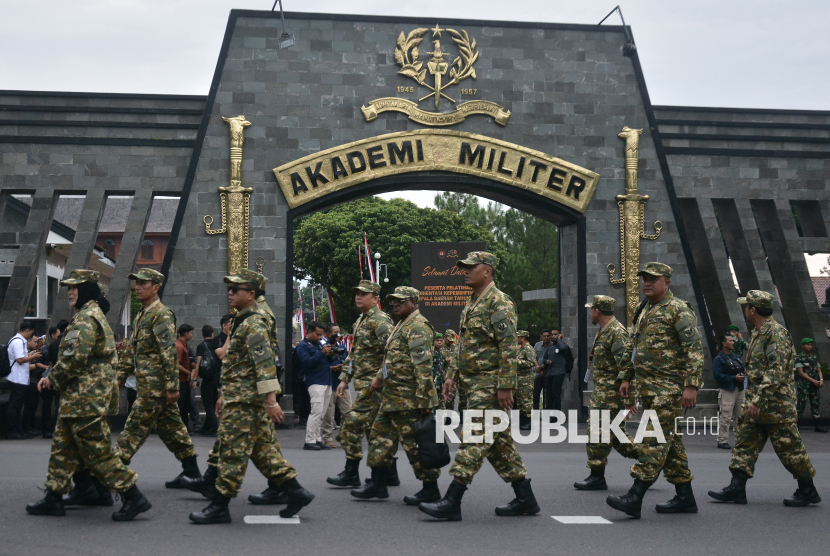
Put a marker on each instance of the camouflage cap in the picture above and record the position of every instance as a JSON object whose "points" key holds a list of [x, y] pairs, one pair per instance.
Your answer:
{"points": [[404, 292], [80, 276], [602, 302], [523, 334], [450, 335], [656, 269], [478, 257], [806, 341], [247, 276], [757, 298], [367, 286], [148, 274]]}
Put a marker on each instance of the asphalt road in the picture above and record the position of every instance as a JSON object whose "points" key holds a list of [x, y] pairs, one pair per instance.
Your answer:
{"points": [[337, 523]]}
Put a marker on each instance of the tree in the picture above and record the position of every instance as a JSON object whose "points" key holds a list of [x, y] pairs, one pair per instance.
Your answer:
{"points": [[326, 244]]}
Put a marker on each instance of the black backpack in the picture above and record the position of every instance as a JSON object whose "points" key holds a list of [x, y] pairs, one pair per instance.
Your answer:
{"points": [[209, 365], [5, 365]]}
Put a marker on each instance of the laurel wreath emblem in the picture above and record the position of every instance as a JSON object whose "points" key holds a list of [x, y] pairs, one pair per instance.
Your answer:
{"points": [[407, 54]]}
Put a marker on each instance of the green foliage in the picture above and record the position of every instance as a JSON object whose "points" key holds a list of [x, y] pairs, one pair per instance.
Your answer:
{"points": [[135, 306]]}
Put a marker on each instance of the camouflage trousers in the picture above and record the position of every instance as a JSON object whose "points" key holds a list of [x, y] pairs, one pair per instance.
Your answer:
{"points": [[389, 426], [806, 391], [786, 441], [213, 455], [501, 452], [357, 423], [460, 392], [154, 412], [598, 452], [670, 458], [524, 394], [245, 432], [85, 443]]}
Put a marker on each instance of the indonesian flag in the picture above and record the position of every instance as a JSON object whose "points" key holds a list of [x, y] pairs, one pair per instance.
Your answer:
{"points": [[330, 301], [313, 304], [299, 314]]}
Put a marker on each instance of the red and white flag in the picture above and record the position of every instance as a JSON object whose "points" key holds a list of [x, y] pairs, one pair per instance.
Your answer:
{"points": [[330, 300]]}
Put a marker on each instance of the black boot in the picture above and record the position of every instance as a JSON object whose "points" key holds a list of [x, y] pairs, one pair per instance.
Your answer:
{"points": [[88, 491], [51, 504], [376, 488], [594, 481], [216, 512], [298, 498], [682, 503], [632, 502], [134, 504], [272, 495], [806, 494], [735, 492], [392, 479], [189, 469], [524, 423], [449, 507], [429, 493], [349, 477], [817, 427], [205, 485], [524, 503]]}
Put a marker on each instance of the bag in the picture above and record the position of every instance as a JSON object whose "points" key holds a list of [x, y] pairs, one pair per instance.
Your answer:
{"points": [[5, 365], [208, 364], [432, 454]]}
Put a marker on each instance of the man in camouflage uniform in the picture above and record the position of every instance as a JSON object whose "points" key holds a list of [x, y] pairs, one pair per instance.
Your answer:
{"points": [[408, 394], [608, 348], [450, 351], [526, 371], [665, 356], [438, 364], [150, 353], [249, 406], [810, 379], [768, 411], [487, 370], [741, 345], [85, 379], [370, 333]]}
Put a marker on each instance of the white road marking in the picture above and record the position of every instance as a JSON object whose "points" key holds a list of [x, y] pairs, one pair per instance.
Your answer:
{"points": [[580, 519], [271, 520]]}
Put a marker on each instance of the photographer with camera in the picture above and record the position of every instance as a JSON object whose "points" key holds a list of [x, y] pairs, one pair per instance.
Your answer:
{"points": [[333, 338], [729, 372]]}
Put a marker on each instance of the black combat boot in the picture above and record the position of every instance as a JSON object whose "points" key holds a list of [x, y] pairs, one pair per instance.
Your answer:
{"points": [[524, 503], [376, 488], [449, 507], [216, 512], [204, 485], [349, 477], [392, 479], [429, 493], [682, 503], [806, 494], [594, 481], [51, 504], [272, 495], [134, 504], [735, 492], [632, 502], [189, 469], [88, 491], [817, 427], [298, 498]]}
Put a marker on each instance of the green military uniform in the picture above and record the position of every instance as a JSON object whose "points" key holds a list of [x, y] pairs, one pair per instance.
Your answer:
{"points": [[608, 348], [663, 357], [450, 351], [769, 367], [407, 389], [370, 333], [809, 364], [526, 371], [740, 345], [248, 372], [439, 363], [488, 354], [150, 353], [85, 379]]}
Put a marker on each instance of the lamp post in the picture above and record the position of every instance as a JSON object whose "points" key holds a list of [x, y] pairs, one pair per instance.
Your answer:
{"points": [[377, 270]]}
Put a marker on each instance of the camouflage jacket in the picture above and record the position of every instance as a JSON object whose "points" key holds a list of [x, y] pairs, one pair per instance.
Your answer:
{"points": [[438, 369], [664, 352], [809, 364], [371, 331], [450, 353], [769, 368], [526, 363], [271, 321], [84, 374], [609, 346], [488, 345], [249, 369], [150, 352], [408, 364]]}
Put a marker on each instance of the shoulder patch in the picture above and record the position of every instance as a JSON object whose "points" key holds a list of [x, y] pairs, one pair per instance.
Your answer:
{"points": [[71, 340], [163, 335], [382, 331], [618, 347], [502, 325], [259, 348], [687, 331], [418, 350]]}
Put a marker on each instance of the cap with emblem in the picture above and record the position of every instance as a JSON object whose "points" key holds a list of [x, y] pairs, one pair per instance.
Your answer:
{"points": [[478, 257], [806, 341], [247, 276], [732, 328], [404, 292], [757, 298], [523, 334], [602, 302], [80, 276], [656, 269], [439, 336], [148, 274], [367, 286]]}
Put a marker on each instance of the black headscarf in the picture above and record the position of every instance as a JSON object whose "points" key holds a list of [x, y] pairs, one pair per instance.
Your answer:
{"points": [[91, 291]]}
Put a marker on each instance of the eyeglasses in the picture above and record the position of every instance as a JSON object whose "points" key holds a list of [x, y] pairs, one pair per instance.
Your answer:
{"points": [[235, 289]]}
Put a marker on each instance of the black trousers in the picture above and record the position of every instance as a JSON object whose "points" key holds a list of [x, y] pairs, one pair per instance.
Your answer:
{"points": [[553, 391], [49, 397], [31, 399], [17, 395], [302, 401], [184, 402], [538, 386], [210, 393], [132, 394]]}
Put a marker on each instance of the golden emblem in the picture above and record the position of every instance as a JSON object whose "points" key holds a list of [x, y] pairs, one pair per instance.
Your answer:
{"points": [[407, 54]]}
